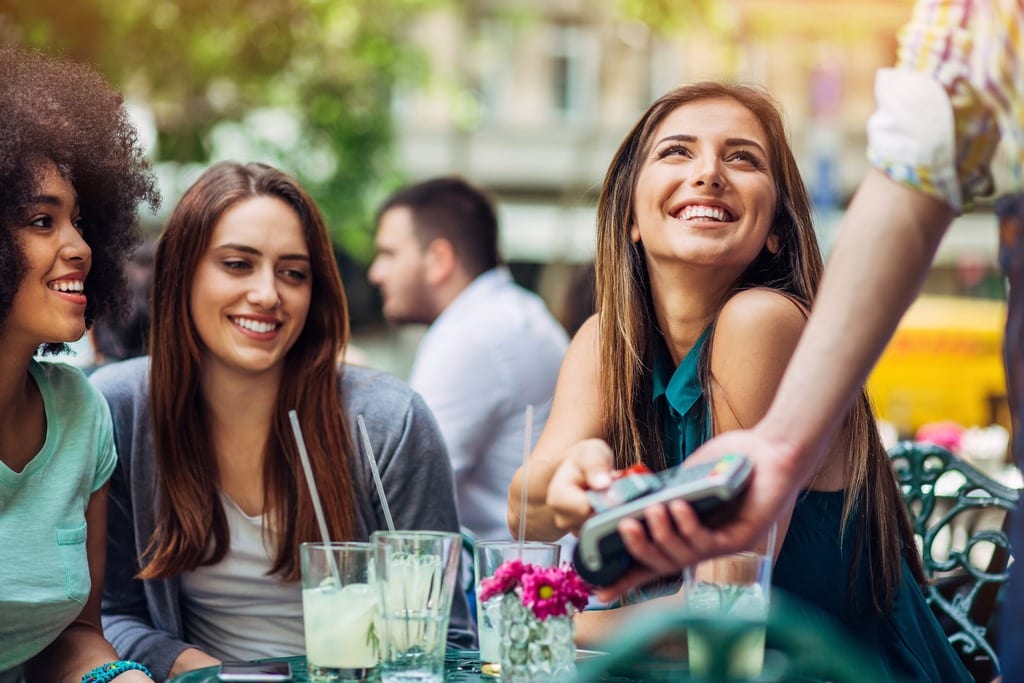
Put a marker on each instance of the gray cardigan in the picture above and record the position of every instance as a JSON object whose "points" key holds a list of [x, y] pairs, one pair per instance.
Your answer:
{"points": [[143, 619]]}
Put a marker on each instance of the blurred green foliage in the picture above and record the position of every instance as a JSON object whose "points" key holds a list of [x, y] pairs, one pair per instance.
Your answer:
{"points": [[307, 83], [667, 16], [330, 64]]}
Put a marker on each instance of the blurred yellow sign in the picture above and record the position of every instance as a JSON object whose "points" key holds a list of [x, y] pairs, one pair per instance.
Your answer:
{"points": [[944, 363]]}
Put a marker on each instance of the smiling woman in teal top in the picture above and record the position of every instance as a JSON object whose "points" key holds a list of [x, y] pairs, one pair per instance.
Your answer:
{"points": [[71, 177], [706, 266]]}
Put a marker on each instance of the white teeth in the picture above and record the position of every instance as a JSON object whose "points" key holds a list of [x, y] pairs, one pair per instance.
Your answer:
{"points": [[697, 211], [255, 325], [68, 286]]}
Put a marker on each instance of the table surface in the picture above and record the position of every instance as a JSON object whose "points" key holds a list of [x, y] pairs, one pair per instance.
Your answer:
{"points": [[459, 666]]}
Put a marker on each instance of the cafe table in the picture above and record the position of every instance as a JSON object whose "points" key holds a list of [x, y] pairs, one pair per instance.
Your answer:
{"points": [[460, 666]]}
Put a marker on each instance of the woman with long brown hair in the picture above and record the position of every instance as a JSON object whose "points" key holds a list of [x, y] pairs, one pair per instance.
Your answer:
{"points": [[707, 265], [208, 506]]}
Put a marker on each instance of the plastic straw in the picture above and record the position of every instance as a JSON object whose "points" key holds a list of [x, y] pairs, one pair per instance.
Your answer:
{"points": [[376, 473], [527, 443], [771, 539], [314, 494]]}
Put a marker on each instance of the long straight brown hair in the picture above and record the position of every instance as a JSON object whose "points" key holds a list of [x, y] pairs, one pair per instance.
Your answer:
{"points": [[628, 339], [191, 528]]}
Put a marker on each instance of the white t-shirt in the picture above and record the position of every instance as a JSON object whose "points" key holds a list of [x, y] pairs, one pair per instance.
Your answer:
{"points": [[44, 569], [494, 350], [233, 609]]}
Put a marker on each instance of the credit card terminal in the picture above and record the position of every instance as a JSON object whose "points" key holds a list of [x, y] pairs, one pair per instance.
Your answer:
{"points": [[710, 487]]}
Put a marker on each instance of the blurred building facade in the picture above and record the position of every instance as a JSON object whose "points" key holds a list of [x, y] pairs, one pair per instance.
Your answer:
{"points": [[530, 99]]}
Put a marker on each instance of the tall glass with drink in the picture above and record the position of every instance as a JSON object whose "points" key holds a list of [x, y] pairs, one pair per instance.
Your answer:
{"points": [[416, 579], [340, 608], [736, 587]]}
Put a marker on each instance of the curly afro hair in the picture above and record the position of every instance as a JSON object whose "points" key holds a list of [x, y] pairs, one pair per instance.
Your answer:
{"points": [[55, 111]]}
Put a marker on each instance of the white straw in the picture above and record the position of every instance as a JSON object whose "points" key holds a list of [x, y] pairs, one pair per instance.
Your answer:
{"points": [[376, 473], [527, 443], [314, 494]]}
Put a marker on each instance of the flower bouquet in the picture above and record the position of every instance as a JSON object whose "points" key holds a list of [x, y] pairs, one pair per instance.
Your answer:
{"points": [[535, 623]]}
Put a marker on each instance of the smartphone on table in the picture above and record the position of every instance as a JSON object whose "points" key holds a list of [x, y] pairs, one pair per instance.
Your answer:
{"points": [[255, 672]]}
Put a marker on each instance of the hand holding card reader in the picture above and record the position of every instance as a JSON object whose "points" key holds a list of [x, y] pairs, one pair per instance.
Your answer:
{"points": [[601, 557]]}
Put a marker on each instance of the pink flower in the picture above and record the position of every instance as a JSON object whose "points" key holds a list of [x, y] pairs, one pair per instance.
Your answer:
{"points": [[553, 592], [945, 434], [505, 579]]}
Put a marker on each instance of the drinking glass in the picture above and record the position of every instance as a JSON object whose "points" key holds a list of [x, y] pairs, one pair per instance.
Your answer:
{"points": [[736, 586], [416, 577], [340, 604], [487, 557]]}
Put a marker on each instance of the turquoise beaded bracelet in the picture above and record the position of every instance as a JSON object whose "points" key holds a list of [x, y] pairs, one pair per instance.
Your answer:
{"points": [[111, 670]]}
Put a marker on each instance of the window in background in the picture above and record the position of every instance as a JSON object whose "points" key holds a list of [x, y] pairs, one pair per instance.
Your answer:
{"points": [[495, 50], [574, 68]]}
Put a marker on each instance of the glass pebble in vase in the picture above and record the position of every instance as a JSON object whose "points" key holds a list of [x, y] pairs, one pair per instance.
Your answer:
{"points": [[535, 650]]}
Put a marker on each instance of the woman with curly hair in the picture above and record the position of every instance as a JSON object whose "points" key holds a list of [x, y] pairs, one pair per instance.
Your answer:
{"points": [[72, 175], [249, 319]]}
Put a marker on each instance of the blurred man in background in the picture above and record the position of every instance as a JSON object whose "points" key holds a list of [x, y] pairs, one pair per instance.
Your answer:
{"points": [[492, 347], [128, 337]]}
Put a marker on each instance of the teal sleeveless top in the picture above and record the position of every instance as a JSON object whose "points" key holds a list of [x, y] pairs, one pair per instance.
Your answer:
{"points": [[812, 565]]}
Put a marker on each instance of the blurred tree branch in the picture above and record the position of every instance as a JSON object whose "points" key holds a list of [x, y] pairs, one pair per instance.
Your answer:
{"points": [[331, 63]]}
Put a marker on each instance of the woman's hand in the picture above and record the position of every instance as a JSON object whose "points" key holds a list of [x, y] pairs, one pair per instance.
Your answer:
{"points": [[133, 676], [587, 466]]}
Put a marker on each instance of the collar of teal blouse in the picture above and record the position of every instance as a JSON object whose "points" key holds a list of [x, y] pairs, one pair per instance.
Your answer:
{"points": [[677, 394], [680, 386]]}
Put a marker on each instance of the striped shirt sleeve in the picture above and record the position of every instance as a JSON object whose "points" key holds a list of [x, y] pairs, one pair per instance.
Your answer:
{"points": [[969, 49]]}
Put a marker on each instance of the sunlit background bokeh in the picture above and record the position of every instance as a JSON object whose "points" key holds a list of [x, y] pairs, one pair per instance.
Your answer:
{"points": [[528, 99]]}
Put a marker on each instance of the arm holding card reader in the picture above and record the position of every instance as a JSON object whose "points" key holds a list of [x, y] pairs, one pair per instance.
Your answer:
{"points": [[601, 557]]}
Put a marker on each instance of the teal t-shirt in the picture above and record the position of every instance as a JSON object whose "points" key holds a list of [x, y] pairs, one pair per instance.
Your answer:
{"points": [[813, 565], [44, 571]]}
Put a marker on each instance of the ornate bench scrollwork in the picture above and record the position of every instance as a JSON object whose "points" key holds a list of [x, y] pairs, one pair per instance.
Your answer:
{"points": [[961, 518]]}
